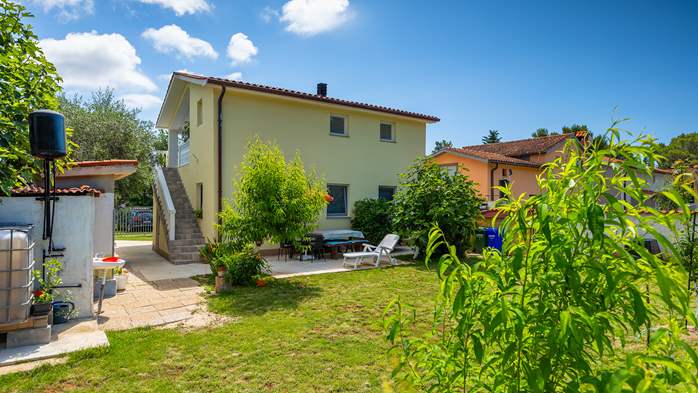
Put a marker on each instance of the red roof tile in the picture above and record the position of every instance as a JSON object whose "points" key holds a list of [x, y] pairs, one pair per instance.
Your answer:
{"points": [[34, 190], [306, 96], [523, 147], [493, 157]]}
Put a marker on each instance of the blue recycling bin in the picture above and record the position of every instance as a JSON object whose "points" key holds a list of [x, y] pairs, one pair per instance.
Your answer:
{"points": [[494, 239]]}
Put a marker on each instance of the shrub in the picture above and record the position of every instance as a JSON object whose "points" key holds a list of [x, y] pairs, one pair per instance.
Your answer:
{"points": [[372, 217], [574, 286], [274, 199], [242, 267], [428, 195]]}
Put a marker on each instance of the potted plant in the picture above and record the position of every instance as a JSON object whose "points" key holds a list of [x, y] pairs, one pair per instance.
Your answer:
{"points": [[121, 277], [43, 296], [42, 303]]}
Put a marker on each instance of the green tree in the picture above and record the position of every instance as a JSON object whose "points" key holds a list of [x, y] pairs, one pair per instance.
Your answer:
{"points": [[682, 149], [541, 132], [27, 82], [440, 145], [105, 128], [428, 195], [492, 137], [562, 307], [274, 200], [574, 128]]}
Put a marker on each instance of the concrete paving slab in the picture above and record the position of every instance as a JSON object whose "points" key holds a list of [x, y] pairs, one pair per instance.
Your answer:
{"points": [[69, 337], [283, 268], [149, 266]]}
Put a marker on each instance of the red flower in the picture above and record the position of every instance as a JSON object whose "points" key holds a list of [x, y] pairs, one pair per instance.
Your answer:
{"points": [[38, 293], [328, 198]]}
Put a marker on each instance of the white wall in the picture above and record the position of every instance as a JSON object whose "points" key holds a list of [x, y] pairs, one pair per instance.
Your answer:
{"points": [[74, 228]]}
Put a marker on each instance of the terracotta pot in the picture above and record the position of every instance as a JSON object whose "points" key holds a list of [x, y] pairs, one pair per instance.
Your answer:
{"points": [[261, 283]]}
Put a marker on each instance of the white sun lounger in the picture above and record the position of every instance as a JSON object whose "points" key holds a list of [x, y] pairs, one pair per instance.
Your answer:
{"points": [[384, 248]]}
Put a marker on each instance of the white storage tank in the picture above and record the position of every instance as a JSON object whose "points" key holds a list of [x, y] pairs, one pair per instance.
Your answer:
{"points": [[16, 279]]}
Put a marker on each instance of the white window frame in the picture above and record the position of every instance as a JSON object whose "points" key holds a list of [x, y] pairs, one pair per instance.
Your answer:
{"points": [[392, 132], [346, 125]]}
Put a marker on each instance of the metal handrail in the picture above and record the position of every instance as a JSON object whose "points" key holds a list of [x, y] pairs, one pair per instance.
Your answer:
{"points": [[163, 194]]}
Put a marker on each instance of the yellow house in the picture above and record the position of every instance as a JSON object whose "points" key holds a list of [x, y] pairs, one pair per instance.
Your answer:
{"points": [[359, 149]]}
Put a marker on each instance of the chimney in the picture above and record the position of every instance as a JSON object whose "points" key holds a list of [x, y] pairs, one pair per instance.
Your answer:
{"points": [[322, 89]]}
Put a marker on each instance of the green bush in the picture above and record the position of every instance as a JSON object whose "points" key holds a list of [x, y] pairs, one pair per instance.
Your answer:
{"points": [[428, 195], [242, 267], [568, 307], [372, 217]]}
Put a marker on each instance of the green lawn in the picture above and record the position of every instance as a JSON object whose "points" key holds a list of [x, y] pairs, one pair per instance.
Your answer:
{"points": [[308, 334], [134, 236]]}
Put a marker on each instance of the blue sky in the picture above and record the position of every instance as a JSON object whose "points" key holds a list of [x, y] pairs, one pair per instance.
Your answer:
{"points": [[507, 65]]}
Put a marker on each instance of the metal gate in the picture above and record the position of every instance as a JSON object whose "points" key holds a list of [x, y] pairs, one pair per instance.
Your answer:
{"points": [[133, 220]]}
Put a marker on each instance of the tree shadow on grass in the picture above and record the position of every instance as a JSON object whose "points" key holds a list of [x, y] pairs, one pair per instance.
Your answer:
{"points": [[277, 295]]}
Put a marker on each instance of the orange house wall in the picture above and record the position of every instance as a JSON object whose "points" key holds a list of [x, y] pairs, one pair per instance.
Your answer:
{"points": [[476, 170], [523, 179]]}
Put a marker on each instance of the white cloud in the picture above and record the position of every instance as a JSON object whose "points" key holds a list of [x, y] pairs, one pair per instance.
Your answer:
{"points": [[310, 17], [182, 7], [236, 76], [268, 13], [141, 101], [67, 9], [172, 38], [241, 49], [90, 61]]}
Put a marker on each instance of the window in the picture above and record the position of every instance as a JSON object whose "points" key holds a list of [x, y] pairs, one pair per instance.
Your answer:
{"points": [[503, 183], [506, 172], [338, 125], [338, 207], [450, 169], [386, 192], [386, 132], [200, 112], [199, 196]]}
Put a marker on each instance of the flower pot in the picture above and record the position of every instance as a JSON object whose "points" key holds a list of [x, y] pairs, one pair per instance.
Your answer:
{"points": [[121, 281], [40, 309]]}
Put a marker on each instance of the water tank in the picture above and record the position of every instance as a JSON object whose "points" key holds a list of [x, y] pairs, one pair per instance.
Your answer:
{"points": [[16, 280], [47, 134]]}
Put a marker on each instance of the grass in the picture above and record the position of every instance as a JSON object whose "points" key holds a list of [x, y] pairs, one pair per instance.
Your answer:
{"points": [[306, 334], [134, 236]]}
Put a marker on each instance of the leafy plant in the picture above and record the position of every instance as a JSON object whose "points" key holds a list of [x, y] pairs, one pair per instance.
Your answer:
{"points": [[198, 213], [274, 200], [242, 267], [105, 128], [372, 218], [48, 281], [564, 307], [492, 136], [27, 82], [428, 195]]}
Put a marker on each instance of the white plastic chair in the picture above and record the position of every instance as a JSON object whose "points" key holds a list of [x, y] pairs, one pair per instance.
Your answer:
{"points": [[384, 248]]}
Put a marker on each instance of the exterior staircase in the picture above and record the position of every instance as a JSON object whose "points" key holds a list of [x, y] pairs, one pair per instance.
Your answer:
{"points": [[188, 238]]}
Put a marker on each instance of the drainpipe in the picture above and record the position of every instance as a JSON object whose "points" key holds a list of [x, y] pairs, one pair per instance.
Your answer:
{"points": [[496, 165], [219, 173]]}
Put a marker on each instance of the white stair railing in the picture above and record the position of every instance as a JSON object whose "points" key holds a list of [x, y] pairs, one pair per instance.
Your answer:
{"points": [[163, 195]]}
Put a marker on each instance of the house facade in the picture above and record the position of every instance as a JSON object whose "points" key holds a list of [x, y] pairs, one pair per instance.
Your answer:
{"points": [[358, 149], [515, 163]]}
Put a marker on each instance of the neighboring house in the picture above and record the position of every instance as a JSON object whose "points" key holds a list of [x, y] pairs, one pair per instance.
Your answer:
{"points": [[359, 149], [497, 164], [518, 163]]}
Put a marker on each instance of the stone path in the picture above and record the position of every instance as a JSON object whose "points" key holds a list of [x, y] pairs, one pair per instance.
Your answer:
{"points": [[158, 293]]}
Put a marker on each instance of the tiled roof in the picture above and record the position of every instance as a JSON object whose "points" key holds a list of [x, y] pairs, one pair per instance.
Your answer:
{"points": [[523, 147], [493, 157], [106, 163], [34, 190], [307, 96]]}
